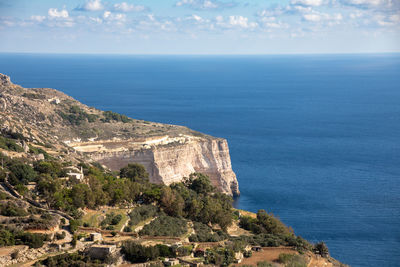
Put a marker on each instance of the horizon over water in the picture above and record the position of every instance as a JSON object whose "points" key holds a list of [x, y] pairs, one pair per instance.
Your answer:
{"points": [[314, 139]]}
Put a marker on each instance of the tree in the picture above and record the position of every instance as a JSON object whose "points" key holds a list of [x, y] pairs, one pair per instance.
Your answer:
{"points": [[135, 172], [22, 172], [321, 249], [199, 183], [172, 202]]}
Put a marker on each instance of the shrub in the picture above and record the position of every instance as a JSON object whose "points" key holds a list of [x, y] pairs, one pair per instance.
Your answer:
{"points": [[113, 116], [32, 240], [70, 259], [292, 260], [127, 229], [60, 236], [142, 213], [220, 256], [205, 234], [135, 252], [8, 144], [12, 210], [135, 172], [264, 264], [73, 225], [321, 249], [165, 226], [22, 172]]}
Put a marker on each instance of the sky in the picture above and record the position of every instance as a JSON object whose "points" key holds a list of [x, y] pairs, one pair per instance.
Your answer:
{"points": [[200, 26]]}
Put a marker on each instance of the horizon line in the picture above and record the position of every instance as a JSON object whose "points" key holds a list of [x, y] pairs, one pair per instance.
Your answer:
{"points": [[211, 54]]}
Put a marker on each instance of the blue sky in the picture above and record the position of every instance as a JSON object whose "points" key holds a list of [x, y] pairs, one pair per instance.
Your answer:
{"points": [[200, 26]]}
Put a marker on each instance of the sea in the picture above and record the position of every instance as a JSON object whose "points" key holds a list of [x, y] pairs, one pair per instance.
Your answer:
{"points": [[314, 139]]}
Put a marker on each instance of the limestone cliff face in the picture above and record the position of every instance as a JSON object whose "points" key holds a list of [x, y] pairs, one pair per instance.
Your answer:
{"points": [[169, 159]]}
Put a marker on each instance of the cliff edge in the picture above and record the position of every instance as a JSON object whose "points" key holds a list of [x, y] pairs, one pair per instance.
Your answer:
{"points": [[169, 152]]}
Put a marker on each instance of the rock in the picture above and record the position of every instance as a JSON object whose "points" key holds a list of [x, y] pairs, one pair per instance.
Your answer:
{"points": [[5, 80], [168, 162]]}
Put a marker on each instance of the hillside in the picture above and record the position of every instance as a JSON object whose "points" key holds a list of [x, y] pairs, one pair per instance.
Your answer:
{"points": [[168, 152], [60, 207]]}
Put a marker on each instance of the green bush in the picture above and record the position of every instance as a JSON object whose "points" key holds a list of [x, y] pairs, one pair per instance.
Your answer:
{"points": [[21, 172], [60, 236], [205, 234], [113, 116], [142, 213], [71, 259], [220, 256], [135, 252], [12, 210], [321, 249], [32, 240], [76, 116], [264, 264], [165, 226], [292, 260], [135, 172], [9, 144]]}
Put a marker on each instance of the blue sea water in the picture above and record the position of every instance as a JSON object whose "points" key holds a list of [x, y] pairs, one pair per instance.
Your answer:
{"points": [[315, 139]]}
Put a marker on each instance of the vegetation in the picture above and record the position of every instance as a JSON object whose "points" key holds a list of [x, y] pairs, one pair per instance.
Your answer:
{"points": [[292, 260], [135, 252], [113, 116], [321, 249], [76, 116], [10, 144], [205, 234], [194, 199], [10, 209], [220, 256], [34, 96], [71, 260], [111, 221], [38, 150], [165, 226], [135, 172], [11, 237], [142, 213], [264, 224]]}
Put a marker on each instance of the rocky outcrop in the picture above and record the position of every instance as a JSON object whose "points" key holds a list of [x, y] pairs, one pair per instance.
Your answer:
{"points": [[169, 159]]}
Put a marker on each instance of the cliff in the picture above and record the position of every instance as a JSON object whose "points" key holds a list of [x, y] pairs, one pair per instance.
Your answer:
{"points": [[74, 130]]}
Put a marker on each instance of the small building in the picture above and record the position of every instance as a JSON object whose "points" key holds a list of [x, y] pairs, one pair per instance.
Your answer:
{"points": [[76, 173], [96, 237], [171, 262], [54, 100], [256, 248], [101, 252], [238, 257]]}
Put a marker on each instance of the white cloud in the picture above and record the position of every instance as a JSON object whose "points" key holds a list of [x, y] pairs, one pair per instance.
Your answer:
{"points": [[54, 13], [366, 2], [118, 17], [312, 17], [204, 4], [235, 21], [92, 5], [319, 17], [387, 21], [308, 2], [125, 7], [38, 18]]}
